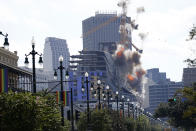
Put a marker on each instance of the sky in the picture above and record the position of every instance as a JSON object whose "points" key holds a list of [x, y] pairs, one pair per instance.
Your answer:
{"points": [[166, 23]]}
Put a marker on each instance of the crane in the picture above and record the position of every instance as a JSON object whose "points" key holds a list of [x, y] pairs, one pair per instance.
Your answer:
{"points": [[122, 28]]}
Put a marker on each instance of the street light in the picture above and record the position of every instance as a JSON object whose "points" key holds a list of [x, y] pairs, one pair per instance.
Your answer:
{"points": [[99, 88], [108, 93], [92, 86], [87, 81], [117, 100], [72, 117], [61, 68], [33, 53], [128, 107], [55, 75], [6, 43], [71, 92], [123, 104]]}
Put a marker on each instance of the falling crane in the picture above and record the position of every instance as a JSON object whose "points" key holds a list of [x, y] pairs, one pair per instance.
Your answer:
{"points": [[124, 29]]}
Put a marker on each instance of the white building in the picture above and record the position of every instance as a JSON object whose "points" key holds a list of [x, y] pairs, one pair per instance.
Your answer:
{"points": [[53, 48]]}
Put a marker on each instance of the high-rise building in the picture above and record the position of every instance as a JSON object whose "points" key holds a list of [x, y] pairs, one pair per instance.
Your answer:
{"points": [[159, 88], [161, 93], [53, 48], [189, 76], [156, 76], [101, 28]]}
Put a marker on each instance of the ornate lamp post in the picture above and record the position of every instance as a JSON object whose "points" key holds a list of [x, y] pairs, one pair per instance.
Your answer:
{"points": [[33, 53], [117, 100], [61, 68], [87, 81], [123, 105], [6, 43], [99, 93], [128, 107], [108, 93], [87, 93]]}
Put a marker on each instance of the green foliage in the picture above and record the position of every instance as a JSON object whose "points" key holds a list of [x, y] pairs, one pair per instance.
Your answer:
{"points": [[100, 121], [105, 120], [118, 123], [25, 111], [130, 124], [156, 128], [67, 125], [162, 110], [182, 112], [142, 123], [82, 123]]}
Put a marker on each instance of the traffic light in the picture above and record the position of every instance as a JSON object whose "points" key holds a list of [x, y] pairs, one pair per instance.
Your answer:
{"points": [[172, 100]]}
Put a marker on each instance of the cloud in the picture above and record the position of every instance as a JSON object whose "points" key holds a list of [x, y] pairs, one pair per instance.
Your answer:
{"points": [[7, 15], [166, 46]]}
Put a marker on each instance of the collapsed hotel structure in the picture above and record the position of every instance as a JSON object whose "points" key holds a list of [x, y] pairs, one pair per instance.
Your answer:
{"points": [[107, 49]]}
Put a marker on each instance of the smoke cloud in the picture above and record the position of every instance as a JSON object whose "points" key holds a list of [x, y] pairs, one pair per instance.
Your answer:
{"points": [[129, 69]]}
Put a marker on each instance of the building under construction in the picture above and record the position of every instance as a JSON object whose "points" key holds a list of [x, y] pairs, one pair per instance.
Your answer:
{"points": [[107, 50], [95, 61]]}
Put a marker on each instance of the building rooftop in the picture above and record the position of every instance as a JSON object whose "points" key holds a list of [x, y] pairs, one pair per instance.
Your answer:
{"points": [[106, 13]]}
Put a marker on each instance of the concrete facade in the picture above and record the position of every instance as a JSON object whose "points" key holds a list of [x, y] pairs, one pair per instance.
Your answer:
{"points": [[53, 48], [189, 76], [9, 61], [159, 88], [101, 28]]}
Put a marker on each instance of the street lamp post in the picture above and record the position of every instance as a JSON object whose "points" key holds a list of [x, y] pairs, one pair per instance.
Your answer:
{"points": [[117, 100], [6, 43], [133, 111], [61, 83], [72, 118], [87, 81], [123, 105], [108, 93], [128, 107], [99, 93], [33, 53], [71, 92], [136, 112]]}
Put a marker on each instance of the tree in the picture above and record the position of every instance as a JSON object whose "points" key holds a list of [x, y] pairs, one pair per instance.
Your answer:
{"points": [[100, 121], [26, 111], [192, 36], [192, 33], [82, 122], [142, 123], [182, 112], [130, 123], [118, 122]]}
